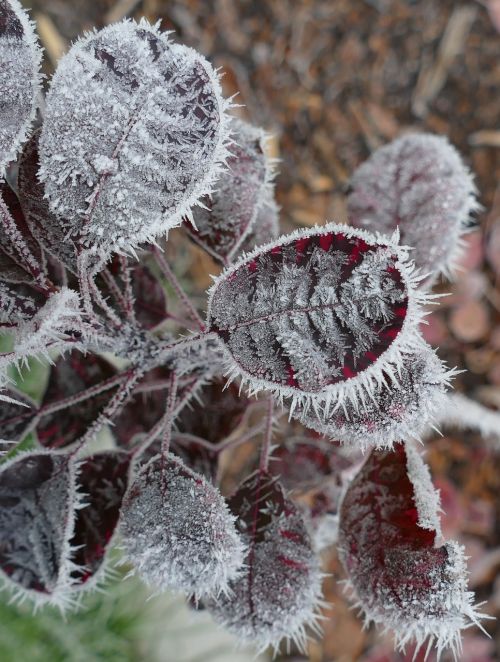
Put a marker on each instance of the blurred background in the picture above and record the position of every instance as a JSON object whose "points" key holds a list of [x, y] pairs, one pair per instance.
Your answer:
{"points": [[332, 80]]}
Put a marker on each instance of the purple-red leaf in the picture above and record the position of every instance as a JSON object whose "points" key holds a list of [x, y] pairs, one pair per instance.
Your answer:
{"points": [[316, 315], [389, 534], [50, 230], [420, 184], [401, 407], [231, 211], [127, 165], [37, 503], [70, 376], [277, 594], [178, 531], [20, 58], [102, 479]]}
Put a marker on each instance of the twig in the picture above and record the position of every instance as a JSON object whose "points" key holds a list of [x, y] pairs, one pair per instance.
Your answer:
{"points": [[181, 294], [268, 433]]}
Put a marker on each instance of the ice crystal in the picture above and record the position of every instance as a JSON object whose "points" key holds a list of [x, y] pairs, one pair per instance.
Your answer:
{"points": [[318, 315], [420, 184], [388, 542], [20, 57], [38, 499], [135, 133], [228, 216], [16, 418], [277, 596], [178, 531], [400, 407]]}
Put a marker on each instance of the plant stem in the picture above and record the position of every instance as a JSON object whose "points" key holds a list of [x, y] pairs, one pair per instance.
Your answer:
{"points": [[268, 433], [179, 290]]}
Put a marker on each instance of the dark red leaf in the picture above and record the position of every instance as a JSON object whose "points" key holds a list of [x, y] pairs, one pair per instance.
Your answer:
{"points": [[277, 594], [37, 499], [69, 376], [317, 310], [388, 542], [103, 480], [232, 210]]}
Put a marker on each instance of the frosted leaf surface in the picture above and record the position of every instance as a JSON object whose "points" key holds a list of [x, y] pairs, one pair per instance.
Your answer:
{"points": [[17, 242], [317, 314], [420, 184], [277, 595], [177, 530], [20, 58], [102, 480], [388, 543], [400, 408], [37, 499], [231, 211], [50, 230], [135, 133], [15, 305]]}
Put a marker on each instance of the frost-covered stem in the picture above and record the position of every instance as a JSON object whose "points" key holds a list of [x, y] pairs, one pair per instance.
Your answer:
{"points": [[112, 409], [83, 282], [115, 290], [179, 290], [128, 293], [169, 348], [268, 433], [169, 415], [467, 414], [103, 304]]}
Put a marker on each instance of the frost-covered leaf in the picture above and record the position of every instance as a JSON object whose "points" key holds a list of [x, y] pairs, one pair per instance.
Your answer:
{"points": [[389, 537], [17, 241], [420, 184], [16, 304], [20, 58], [278, 593], [177, 529], [318, 315], [16, 418], [231, 211], [50, 230], [135, 133], [69, 376], [266, 226], [58, 318], [37, 506], [302, 462], [214, 414], [102, 481], [401, 407]]}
